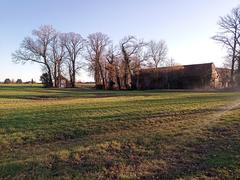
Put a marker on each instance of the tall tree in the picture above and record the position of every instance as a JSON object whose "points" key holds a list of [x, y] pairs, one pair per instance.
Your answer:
{"points": [[74, 44], [37, 48], [229, 36], [130, 48], [58, 52], [96, 49], [113, 68]]}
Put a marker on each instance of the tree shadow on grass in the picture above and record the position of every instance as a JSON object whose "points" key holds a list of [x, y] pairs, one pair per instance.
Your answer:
{"points": [[215, 154]]}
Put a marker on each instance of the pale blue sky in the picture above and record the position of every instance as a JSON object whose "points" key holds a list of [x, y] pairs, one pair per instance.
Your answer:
{"points": [[186, 26]]}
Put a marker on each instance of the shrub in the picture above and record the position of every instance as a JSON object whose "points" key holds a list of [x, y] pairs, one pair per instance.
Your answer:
{"points": [[45, 79], [7, 81], [19, 81]]}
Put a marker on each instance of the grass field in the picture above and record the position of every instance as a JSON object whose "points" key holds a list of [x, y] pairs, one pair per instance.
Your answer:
{"points": [[87, 134]]}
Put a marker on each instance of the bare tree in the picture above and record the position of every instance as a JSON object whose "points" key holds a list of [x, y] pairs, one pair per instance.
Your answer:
{"points": [[96, 47], [36, 49], [157, 52], [227, 63], [74, 44], [130, 49], [58, 53], [229, 36], [113, 68], [170, 62]]}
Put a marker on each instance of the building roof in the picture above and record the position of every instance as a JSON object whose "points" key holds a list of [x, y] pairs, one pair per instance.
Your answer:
{"points": [[193, 69]]}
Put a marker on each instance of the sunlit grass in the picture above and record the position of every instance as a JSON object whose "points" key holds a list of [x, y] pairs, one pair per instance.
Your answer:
{"points": [[74, 133]]}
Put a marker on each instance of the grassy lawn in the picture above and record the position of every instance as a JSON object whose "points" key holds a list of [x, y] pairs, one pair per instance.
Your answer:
{"points": [[73, 133]]}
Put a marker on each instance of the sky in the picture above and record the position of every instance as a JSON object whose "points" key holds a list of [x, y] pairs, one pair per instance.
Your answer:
{"points": [[186, 25]]}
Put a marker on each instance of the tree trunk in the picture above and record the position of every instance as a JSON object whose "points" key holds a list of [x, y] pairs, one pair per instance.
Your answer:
{"points": [[59, 74], [70, 74], [232, 70], [73, 75], [117, 78], [96, 75], [130, 76], [127, 71], [102, 75], [125, 80], [233, 58], [55, 74], [50, 83]]}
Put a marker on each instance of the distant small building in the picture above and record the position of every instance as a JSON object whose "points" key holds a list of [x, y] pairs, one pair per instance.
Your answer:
{"points": [[196, 76], [62, 82]]}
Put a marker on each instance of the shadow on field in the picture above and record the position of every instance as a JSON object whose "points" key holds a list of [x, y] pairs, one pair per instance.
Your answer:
{"points": [[214, 154]]}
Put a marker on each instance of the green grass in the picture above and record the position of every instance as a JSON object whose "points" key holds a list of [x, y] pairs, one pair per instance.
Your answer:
{"points": [[83, 133]]}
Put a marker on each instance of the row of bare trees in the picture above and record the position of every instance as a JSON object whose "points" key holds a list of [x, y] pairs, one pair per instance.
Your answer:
{"points": [[113, 66], [57, 53], [229, 37]]}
